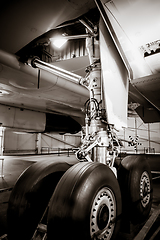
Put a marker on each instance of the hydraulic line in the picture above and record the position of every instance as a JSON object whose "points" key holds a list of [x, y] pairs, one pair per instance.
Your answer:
{"points": [[37, 63]]}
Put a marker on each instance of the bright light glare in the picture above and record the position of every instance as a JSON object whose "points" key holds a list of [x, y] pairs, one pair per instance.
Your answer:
{"points": [[59, 42]]}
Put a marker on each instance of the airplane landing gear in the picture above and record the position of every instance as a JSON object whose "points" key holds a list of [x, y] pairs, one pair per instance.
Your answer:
{"points": [[84, 196]]}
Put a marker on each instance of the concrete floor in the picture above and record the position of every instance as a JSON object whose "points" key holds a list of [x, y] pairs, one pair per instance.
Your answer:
{"points": [[14, 165]]}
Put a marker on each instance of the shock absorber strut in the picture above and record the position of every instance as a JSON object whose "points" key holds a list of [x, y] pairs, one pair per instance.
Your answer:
{"points": [[97, 128], [98, 140]]}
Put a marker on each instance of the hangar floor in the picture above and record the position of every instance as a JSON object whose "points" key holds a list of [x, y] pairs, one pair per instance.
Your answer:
{"points": [[13, 166]]}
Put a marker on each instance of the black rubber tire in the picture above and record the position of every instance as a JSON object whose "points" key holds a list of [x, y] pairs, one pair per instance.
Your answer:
{"points": [[73, 202], [30, 196], [135, 180]]}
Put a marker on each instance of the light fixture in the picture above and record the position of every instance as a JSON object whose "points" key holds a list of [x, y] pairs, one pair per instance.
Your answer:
{"points": [[59, 42]]}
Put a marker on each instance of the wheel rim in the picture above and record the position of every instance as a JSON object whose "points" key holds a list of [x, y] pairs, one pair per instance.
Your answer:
{"points": [[145, 189], [103, 214]]}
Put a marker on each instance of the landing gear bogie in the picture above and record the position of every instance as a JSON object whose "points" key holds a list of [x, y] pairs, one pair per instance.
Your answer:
{"points": [[86, 199]]}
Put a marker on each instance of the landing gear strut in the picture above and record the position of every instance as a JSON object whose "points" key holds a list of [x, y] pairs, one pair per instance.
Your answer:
{"points": [[87, 201]]}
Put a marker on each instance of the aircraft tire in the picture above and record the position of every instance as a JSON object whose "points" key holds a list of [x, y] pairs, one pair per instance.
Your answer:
{"points": [[135, 180], [86, 203], [30, 196]]}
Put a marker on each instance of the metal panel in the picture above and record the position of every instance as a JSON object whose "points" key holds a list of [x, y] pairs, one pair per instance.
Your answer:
{"points": [[22, 119], [115, 80]]}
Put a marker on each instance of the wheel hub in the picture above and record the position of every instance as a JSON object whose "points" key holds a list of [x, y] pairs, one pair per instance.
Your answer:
{"points": [[145, 189], [103, 214]]}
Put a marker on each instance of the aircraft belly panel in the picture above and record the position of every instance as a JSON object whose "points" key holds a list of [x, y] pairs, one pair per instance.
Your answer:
{"points": [[115, 81], [26, 20]]}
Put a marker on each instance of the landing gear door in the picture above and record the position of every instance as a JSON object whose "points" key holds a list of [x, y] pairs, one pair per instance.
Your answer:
{"points": [[114, 80]]}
